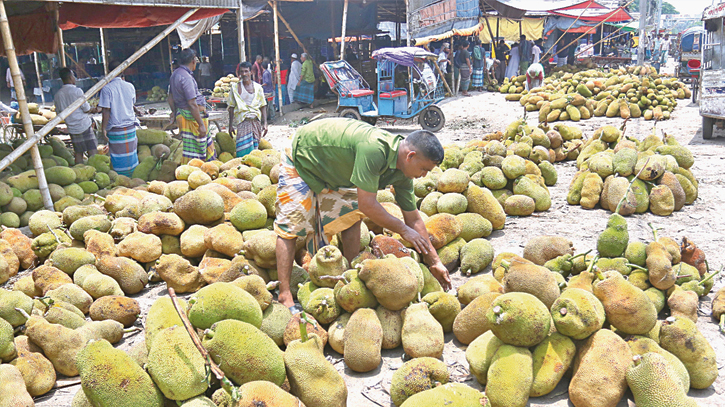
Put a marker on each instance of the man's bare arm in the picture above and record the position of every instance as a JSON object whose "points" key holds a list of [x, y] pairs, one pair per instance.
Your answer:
{"points": [[439, 271], [369, 205]]}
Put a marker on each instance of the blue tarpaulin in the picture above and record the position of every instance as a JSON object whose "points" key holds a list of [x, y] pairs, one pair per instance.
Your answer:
{"points": [[433, 17], [309, 19]]}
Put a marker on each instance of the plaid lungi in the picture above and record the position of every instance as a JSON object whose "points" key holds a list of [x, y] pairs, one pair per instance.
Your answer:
{"points": [[248, 134], [192, 144], [305, 92], [122, 146], [85, 141], [317, 217], [477, 78]]}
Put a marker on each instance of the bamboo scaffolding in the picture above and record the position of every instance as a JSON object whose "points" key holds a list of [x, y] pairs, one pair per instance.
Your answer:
{"points": [[23, 107], [61, 43], [570, 25], [240, 28], [608, 38], [276, 55], [344, 30], [39, 77], [34, 138], [104, 52]]}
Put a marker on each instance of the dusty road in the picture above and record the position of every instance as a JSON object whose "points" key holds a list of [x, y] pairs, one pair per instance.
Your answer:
{"points": [[469, 118]]}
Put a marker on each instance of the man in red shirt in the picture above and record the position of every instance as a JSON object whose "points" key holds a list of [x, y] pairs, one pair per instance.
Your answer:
{"points": [[257, 70]]}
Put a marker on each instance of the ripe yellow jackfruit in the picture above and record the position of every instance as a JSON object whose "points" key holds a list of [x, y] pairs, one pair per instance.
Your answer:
{"points": [[13, 388], [552, 358], [363, 340], [451, 394], [222, 301], [510, 377]]}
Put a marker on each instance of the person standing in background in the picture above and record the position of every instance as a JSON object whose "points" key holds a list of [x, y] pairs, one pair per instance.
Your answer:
{"points": [[444, 62], [536, 51], [305, 90], [257, 70], [502, 52], [247, 112], [464, 62], [79, 122], [205, 73], [665, 50], [11, 85], [477, 58], [513, 66], [188, 108], [295, 71], [267, 77], [525, 55], [119, 122]]}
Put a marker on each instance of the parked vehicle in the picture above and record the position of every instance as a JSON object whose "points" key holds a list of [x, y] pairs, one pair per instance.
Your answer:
{"points": [[689, 49], [712, 71]]}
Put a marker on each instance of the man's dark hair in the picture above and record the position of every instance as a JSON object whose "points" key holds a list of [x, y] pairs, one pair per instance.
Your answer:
{"points": [[65, 74], [245, 64], [186, 56], [427, 144]]}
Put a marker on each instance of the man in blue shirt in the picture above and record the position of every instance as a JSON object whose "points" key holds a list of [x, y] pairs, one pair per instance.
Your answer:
{"points": [[119, 123]]}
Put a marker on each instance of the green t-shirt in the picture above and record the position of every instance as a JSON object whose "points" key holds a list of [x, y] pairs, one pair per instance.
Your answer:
{"points": [[307, 74], [347, 153]]}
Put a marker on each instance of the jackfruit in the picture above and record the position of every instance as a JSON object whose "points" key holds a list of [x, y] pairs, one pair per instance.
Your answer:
{"points": [[477, 286], [130, 275], [176, 366], [577, 313], [612, 242], [416, 376], [161, 315], [352, 294], [274, 321], [641, 345], [47, 278], [444, 307], [71, 258], [10, 301], [532, 279], [393, 285], [199, 207], [453, 180], [109, 377], [60, 344], [680, 336], [161, 223], [482, 202], [13, 388], [551, 359], [100, 223], [510, 377], [71, 294], [117, 308], [421, 335], [221, 301], [328, 261], [142, 247], [321, 304], [362, 341], [473, 226], [261, 393], [442, 229], [43, 221], [519, 319], [626, 306], [37, 371], [392, 323], [604, 358], [654, 382]]}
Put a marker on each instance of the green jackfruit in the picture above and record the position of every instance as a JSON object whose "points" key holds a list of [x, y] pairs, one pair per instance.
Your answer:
{"points": [[552, 358], [61, 176], [453, 394], [422, 334], [474, 226], [479, 355], [60, 344], [612, 242], [95, 222], [221, 301], [7, 346], [176, 365], [393, 284], [519, 319], [641, 345], [415, 376], [200, 207], [510, 377], [577, 313], [274, 321], [248, 214], [476, 255], [161, 315], [150, 136], [69, 259], [680, 336], [482, 201], [654, 382], [444, 307], [109, 377], [13, 388], [352, 294], [363, 338], [38, 372], [626, 306]]}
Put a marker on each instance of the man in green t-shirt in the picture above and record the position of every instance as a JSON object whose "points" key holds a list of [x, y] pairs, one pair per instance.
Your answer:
{"points": [[329, 184]]}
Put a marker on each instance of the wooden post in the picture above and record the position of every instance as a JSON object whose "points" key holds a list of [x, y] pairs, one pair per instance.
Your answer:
{"points": [[23, 107], [332, 28], [443, 78], [211, 44], [61, 43], [103, 51], [39, 77], [407, 24], [171, 57], [276, 54], [240, 28], [249, 43], [34, 138], [302, 45], [344, 30], [163, 59]]}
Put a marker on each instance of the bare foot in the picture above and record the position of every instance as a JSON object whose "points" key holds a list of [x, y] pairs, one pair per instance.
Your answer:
{"points": [[285, 298]]}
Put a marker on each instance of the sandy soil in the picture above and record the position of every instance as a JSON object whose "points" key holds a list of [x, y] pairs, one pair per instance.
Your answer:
{"points": [[468, 118]]}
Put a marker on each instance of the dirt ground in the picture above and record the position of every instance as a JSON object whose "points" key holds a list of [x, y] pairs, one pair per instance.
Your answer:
{"points": [[469, 118]]}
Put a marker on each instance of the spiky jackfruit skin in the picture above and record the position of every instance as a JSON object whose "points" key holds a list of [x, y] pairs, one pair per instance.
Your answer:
{"points": [[363, 339], [479, 355], [38, 372], [451, 394], [541, 249], [536, 280], [626, 306], [109, 377], [7, 347], [476, 255], [244, 353], [510, 377], [519, 319], [392, 284], [176, 366], [12, 388], [444, 307], [641, 345], [552, 358], [220, 301], [482, 202], [322, 305], [71, 258], [312, 378], [415, 376], [422, 334], [443, 228], [353, 294], [161, 315], [612, 242], [654, 382], [60, 344], [477, 286], [681, 337], [392, 323], [577, 313], [261, 393], [599, 371], [471, 322]]}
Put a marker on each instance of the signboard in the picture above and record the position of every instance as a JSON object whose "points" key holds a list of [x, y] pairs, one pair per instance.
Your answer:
{"points": [[714, 12]]}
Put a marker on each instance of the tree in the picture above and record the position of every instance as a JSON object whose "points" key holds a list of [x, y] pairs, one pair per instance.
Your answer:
{"points": [[667, 8]]}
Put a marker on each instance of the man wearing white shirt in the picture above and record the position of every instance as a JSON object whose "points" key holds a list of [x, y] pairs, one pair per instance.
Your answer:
{"points": [[536, 51], [78, 122], [11, 85], [665, 49], [294, 76]]}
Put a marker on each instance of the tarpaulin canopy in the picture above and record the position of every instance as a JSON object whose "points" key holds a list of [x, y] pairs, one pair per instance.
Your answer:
{"points": [[516, 9], [435, 17], [596, 15], [34, 31], [406, 56], [323, 19], [532, 28], [73, 15], [632, 26], [478, 28]]}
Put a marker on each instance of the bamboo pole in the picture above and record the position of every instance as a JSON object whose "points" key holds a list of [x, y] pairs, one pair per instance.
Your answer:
{"points": [[249, 43], [61, 43], [104, 52], [240, 28], [32, 139], [609, 38], [570, 25], [332, 29], [643, 11], [344, 30], [291, 31], [276, 54], [23, 107], [171, 57], [39, 77], [443, 78], [407, 23]]}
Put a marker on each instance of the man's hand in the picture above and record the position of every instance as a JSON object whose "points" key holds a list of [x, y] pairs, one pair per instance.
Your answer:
{"points": [[420, 244], [231, 129], [202, 131], [264, 129], [440, 272]]}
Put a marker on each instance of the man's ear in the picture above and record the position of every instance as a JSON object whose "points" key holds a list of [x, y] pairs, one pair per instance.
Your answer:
{"points": [[409, 156]]}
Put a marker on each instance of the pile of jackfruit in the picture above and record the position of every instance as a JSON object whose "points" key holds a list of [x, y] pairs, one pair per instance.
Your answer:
{"points": [[657, 168], [38, 115], [223, 86], [637, 91], [156, 94]]}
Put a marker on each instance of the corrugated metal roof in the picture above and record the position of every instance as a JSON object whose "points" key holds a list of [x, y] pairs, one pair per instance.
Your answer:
{"points": [[232, 4]]}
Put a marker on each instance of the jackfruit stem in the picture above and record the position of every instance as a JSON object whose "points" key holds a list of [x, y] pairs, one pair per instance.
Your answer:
{"points": [[335, 278], [505, 264], [722, 323], [53, 233], [22, 312], [629, 187], [272, 285], [654, 230], [591, 266], [132, 329], [96, 196], [708, 278], [576, 256], [303, 327], [635, 266]]}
